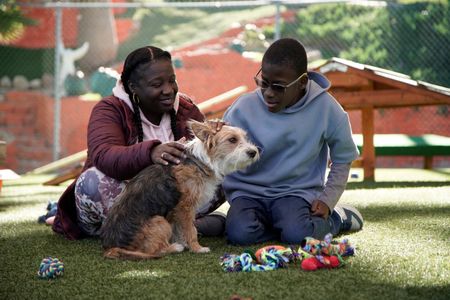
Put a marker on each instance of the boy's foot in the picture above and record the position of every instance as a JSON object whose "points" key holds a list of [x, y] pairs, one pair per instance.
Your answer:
{"points": [[211, 225], [352, 219]]}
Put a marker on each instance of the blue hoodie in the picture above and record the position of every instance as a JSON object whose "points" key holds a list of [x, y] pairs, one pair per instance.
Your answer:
{"points": [[295, 143]]}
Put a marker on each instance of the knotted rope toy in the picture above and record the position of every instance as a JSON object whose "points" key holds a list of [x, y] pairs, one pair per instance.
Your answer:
{"points": [[313, 254], [325, 254], [265, 259], [50, 268]]}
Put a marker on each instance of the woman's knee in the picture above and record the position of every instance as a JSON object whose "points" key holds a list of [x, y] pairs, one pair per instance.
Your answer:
{"points": [[88, 183]]}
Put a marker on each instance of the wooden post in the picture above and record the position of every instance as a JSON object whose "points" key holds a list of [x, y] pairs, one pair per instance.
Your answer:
{"points": [[428, 162], [368, 144], [2, 152]]}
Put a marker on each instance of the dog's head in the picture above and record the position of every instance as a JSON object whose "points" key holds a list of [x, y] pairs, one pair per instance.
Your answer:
{"points": [[226, 150]]}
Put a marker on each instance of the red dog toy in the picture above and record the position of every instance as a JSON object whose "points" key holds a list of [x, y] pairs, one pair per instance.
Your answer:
{"points": [[324, 254], [313, 263]]}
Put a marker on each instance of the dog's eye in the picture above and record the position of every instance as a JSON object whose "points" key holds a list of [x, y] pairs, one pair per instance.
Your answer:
{"points": [[233, 140]]}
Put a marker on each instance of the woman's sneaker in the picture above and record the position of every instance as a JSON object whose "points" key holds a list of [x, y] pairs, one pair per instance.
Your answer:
{"points": [[352, 219]]}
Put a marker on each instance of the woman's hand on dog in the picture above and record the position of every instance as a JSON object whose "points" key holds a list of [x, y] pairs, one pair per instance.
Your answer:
{"points": [[171, 152]]}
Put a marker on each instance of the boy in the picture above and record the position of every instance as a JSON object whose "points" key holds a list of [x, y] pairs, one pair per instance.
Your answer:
{"points": [[297, 125]]}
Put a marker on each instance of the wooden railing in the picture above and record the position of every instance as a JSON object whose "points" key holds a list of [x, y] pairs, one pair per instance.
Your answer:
{"points": [[211, 108]]}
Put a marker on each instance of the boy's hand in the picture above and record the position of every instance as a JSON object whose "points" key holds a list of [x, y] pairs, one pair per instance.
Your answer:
{"points": [[320, 209], [216, 124]]}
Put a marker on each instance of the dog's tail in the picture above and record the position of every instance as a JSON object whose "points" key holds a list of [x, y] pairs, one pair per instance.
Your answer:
{"points": [[120, 253]]}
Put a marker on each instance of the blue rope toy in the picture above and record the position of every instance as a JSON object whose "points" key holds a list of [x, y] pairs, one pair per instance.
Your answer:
{"points": [[50, 268], [267, 258]]}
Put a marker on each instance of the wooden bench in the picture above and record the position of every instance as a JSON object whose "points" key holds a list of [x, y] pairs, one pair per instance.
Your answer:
{"points": [[427, 145]]}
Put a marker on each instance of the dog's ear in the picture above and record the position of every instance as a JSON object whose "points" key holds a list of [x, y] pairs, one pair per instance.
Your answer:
{"points": [[200, 130]]}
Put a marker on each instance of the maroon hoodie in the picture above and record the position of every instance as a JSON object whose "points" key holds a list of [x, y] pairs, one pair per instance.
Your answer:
{"points": [[114, 151]]}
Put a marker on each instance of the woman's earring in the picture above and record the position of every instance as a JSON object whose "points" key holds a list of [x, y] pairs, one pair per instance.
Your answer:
{"points": [[136, 98]]}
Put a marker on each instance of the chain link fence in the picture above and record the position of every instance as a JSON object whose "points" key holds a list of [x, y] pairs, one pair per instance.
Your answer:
{"points": [[67, 55]]}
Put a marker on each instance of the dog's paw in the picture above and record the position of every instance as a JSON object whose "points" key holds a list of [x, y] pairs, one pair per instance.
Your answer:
{"points": [[177, 247], [112, 253], [202, 250]]}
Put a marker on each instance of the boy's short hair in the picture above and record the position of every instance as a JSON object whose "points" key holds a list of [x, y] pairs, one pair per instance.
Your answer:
{"points": [[287, 52]]}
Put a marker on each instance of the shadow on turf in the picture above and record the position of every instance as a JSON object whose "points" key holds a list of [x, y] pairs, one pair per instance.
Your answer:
{"points": [[386, 213], [376, 289], [6, 205], [418, 214], [394, 184]]}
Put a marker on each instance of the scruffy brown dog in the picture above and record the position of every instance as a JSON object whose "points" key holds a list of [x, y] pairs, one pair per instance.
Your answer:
{"points": [[155, 213]]}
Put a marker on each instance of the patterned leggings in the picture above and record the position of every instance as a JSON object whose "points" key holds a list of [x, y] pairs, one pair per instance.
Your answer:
{"points": [[95, 193]]}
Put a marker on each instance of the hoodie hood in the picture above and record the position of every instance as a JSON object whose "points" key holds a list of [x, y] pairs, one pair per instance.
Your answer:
{"points": [[317, 85]]}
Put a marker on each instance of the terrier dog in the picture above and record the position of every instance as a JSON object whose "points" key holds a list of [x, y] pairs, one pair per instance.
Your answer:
{"points": [[155, 213]]}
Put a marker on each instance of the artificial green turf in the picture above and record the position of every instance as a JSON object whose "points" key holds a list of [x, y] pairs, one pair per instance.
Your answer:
{"points": [[402, 253]]}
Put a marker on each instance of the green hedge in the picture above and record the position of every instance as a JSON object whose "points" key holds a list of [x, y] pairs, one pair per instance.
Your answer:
{"points": [[31, 63], [413, 39]]}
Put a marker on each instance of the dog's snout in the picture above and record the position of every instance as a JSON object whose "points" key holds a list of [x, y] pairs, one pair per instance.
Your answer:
{"points": [[251, 153]]}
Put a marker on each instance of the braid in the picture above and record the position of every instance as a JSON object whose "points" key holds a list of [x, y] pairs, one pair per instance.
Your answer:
{"points": [[138, 121], [173, 123]]}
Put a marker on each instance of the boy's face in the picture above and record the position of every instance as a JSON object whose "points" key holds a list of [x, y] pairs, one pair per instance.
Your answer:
{"points": [[279, 98]]}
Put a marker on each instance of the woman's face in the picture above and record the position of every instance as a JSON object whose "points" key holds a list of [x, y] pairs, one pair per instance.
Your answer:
{"points": [[156, 86]]}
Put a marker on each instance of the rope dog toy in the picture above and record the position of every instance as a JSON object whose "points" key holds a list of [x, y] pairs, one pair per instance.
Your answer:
{"points": [[312, 254], [50, 268]]}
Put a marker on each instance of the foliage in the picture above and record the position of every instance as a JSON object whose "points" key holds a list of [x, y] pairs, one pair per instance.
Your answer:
{"points": [[175, 28], [421, 52], [12, 21], [413, 39]]}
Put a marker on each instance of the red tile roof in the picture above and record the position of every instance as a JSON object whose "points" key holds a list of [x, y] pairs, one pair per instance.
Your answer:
{"points": [[206, 74]]}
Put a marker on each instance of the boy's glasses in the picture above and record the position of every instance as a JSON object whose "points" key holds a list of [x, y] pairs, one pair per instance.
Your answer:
{"points": [[275, 87]]}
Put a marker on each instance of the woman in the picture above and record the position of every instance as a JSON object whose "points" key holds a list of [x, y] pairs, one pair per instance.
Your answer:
{"points": [[142, 123]]}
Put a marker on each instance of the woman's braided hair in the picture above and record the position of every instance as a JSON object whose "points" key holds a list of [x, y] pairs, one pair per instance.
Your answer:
{"points": [[134, 59]]}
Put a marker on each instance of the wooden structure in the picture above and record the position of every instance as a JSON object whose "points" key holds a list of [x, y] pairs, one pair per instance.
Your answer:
{"points": [[215, 107], [366, 88], [425, 145], [2, 152], [356, 87]]}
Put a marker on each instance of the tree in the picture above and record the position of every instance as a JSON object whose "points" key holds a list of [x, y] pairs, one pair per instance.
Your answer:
{"points": [[413, 39], [12, 21]]}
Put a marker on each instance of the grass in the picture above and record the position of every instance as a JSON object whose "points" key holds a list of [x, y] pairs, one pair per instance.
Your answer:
{"points": [[402, 253], [175, 28]]}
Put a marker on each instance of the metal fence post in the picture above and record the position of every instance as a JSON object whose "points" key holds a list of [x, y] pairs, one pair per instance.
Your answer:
{"points": [[277, 20], [57, 84]]}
